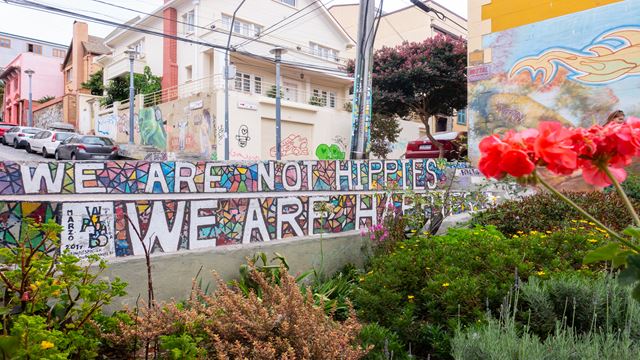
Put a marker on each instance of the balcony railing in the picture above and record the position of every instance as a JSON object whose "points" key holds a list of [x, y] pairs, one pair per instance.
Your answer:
{"points": [[120, 66]]}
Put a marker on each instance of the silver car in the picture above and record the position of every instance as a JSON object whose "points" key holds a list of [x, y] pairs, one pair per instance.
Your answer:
{"points": [[17, 135]]}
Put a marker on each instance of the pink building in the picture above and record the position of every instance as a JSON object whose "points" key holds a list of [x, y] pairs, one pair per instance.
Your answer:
{"points": [[47, 81]]}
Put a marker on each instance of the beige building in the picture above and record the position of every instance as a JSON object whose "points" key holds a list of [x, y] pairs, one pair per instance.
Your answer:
{"points": [[315, 89], [413, 25], [77, 67]]}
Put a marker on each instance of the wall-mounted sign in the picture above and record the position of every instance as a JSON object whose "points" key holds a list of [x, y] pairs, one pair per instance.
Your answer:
{"points": [[478, 73], [195, 105], [249, 105]]}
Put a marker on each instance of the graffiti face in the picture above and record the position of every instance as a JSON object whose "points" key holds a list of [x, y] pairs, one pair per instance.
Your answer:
{"points": [[152, 127], [243, 136]]}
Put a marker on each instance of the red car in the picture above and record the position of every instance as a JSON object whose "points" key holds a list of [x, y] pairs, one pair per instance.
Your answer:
{"points": [[4, 127], [455, 147]]}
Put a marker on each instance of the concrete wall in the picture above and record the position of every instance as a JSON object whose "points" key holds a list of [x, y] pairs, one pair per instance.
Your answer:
{"points": [[48, 113]]}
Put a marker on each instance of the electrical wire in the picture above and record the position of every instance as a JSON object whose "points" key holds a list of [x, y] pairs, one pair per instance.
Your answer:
{"points": [[72, 14]]}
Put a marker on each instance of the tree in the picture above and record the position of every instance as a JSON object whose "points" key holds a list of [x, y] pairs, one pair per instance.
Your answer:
{"points": [[118, 88], [45, 98], [384, 132], [95, 83], [421, 79]]}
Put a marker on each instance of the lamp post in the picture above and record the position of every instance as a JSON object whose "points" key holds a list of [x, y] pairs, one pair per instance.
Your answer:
{"points": [[278, 51], [30, 113], [132, 56]]}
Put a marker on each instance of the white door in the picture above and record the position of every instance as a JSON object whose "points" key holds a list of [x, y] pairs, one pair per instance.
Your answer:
{"points": [[290, 91]]}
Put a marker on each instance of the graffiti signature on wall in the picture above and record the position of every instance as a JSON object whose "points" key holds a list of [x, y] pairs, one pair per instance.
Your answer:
{"points": [[293, 145]]}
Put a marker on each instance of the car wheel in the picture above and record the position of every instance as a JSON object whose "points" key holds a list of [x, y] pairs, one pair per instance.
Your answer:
{"points": [[28, 149], [45, 154], [56, 155], [15, 143], [73, 157]]}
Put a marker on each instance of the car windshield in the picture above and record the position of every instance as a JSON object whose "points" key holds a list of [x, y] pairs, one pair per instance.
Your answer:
{"points": [[31, 131], [61, 136], [94, 140]]}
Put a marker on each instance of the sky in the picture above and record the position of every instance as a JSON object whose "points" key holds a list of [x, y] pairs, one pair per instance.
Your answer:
{"points": [[57, 29]]}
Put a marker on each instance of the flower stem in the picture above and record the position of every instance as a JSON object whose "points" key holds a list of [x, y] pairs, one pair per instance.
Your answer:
{"points": [[564, 198], [623, 195]]}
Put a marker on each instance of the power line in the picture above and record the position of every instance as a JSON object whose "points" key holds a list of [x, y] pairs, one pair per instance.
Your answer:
{"points": [[71, 14], [271, 28]]}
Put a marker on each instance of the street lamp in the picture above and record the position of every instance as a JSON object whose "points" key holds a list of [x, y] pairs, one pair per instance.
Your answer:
{"points": [[132, 56], [278, 51], [30, 113]]}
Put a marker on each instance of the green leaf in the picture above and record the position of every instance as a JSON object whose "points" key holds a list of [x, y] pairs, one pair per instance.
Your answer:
{"points": [[607, 252], [634, 232], [621, 258]]}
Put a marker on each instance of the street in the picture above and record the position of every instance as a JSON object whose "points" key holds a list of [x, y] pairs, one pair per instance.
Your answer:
{"points": [[8, 153]]}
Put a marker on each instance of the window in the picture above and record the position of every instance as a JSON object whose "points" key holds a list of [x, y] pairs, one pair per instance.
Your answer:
{"points": [[59, 53], [138, 47], [5, 43], [257, 84], [289, 2], [441, 31], [441, 124], [36, 49], [243, 82], [189, 72], [241, 27], [68, 75], [325, 97], [462, 117], [189, 20], [324, 52]]}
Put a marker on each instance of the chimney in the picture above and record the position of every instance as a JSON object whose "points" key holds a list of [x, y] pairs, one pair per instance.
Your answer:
{"points": [[169, 50], [80, 34]]}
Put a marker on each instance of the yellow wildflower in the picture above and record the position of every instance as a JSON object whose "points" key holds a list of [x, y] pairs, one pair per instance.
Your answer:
{"points": [[592, 241], [540, 273], [515, 236], [533, 232], [591, 223], [574, 221], [520, 232], [56, 293], [44, 345], [445, 285], [410, 298], [543, 236], [370, 272], [548, 232], [361, 278]]}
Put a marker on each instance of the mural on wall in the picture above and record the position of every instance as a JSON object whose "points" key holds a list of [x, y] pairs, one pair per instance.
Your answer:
{"points": [[329, 152], [107, 125], [138, 177], [190, 125], [152, 127], [88, 228], [243, 136], [546, 71], [44, 117], [12, 215], [293, 145]]}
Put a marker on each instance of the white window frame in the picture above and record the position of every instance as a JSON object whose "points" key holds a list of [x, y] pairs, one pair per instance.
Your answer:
{"points": [[327, 98], [189, 21], [257, 85], [138, 47], [241, 27], [248, 83], [5, 43], [324, 52]]}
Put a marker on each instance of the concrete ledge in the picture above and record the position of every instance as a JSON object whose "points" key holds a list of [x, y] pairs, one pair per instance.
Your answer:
{"points": [[172, 273]]}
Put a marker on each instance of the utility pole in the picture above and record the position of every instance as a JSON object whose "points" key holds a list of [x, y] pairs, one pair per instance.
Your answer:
{"points": [[30, 113], [227, 77], [278, 53], [132, 56], [362, 101]]}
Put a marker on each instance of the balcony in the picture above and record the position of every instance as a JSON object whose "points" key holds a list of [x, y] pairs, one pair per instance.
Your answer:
{"points": [[119, 66]]}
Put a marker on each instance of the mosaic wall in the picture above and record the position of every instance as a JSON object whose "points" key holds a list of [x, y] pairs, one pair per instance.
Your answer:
{"points": [[136, 177], [248, 202]]}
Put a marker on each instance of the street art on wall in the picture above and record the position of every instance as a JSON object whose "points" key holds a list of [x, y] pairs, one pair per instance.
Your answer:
{"points": [[138, 177], [575, 69], [88, 228], [243, 136], [190, 125], [293, 145], [152, 127], [45, 117], [329, 152], [107, 125]]}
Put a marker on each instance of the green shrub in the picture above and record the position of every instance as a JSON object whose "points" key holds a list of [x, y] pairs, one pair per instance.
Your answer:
{"points": [[631, 187], [543, 212], [581, 303], [429, 285], [386, 344], [569, 316], [497, 340]]}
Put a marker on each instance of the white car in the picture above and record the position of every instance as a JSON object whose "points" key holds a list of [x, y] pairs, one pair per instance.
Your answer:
{"points": [[46, 142], [17, 136]]}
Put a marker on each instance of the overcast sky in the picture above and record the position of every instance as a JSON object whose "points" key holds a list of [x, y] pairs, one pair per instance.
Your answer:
{"points": [[56, 28]]}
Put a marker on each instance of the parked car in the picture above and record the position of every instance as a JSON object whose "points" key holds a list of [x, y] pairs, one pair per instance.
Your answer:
{"points": [[87, 147], [455, 147], [3, 128], [47, 141], [61, 126], [17, 135]]}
